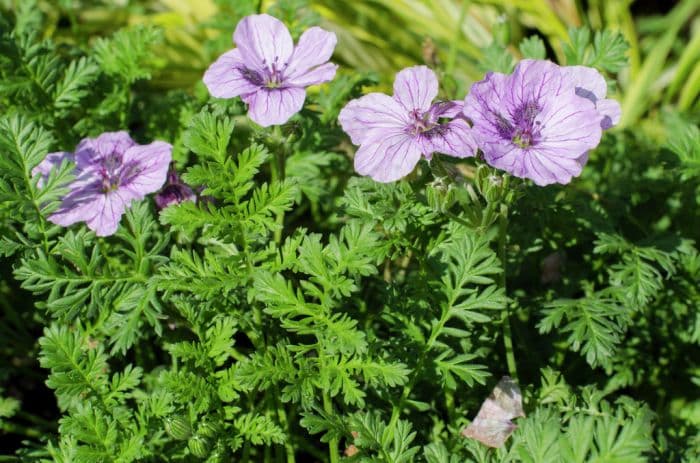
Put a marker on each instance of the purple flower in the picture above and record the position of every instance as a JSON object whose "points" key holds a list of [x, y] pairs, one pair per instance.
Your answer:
{"points": [[268, 72], [174, 191], [395, 131], [111, 171], [540, 121]]}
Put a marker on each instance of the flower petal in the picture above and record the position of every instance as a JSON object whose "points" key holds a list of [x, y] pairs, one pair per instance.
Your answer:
{"points": [[544, 169], [535, 80], [374, 110], [570, 126], [91, 151], [274, 106], [146, 169], [79, 205], [590, 82], [109, 212], [485, 102], [447, 109], [416, 88], [263, 40], [315, 48], [224, 78], [611, 111], [387, 157], [318, 75], [454, 138]]}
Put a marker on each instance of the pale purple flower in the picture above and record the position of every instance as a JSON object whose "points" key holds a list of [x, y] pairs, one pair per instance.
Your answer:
{"points": [[110, 172], [540, 121], [50, 162], [268, 72], [174, 192], [395, 131]]}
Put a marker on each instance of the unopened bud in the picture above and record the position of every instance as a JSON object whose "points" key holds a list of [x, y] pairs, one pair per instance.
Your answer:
{"points": [[178, 427]]}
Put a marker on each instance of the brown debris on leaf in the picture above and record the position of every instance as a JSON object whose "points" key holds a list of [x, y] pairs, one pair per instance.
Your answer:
{"points": [[493, 425]]}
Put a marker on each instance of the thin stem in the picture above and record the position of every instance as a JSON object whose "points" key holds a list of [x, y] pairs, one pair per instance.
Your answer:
{"points": [[505, 319], [282, 416], [333, 444], [277, 171], [13, 428]]}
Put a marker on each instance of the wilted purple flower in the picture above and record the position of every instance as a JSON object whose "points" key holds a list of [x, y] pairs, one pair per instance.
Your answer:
{"points": [[268, 72], [393, 132], [111, 171], [538, 122], [174, 191], [51, 161]]}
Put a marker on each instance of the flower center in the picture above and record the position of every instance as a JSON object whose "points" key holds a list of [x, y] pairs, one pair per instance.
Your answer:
{"points": [[270, 76], [521, 128], [421, 122], [522, 138], [110, 172]]}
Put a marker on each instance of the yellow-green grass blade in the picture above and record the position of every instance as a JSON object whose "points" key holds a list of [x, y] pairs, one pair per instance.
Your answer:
{"points": [[687, 64], [690, 90], [639, 96]]}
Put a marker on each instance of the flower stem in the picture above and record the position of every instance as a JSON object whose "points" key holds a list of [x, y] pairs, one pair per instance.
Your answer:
{"points": [[282, 416], [277, 171], [333, 443], [505, 319]]}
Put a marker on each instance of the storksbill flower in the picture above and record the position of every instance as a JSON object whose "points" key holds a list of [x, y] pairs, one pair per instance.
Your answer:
{"points": [[110, 172], [268, 72], [393, 132], [540, 121]]}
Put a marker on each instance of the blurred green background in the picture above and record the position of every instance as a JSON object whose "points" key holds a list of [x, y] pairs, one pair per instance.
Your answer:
{"points": [[385, 35]]}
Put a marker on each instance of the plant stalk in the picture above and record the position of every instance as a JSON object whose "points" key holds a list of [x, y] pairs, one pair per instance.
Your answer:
{"points": [[278, 174], [333, 453], [505, 318]]}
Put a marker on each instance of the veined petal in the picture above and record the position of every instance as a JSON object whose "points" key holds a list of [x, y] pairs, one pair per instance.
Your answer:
{"points": [[387, 156], [372, 111], [263, 40], [92, 150], [315, 48], [535, 80], [447, 109], [274, 106], [416, 88], [587, 79], [484, 103], [224, 78], [454, 138], [109, 211], [146, 169], [79, 205], [544, 169], [318, 75]]}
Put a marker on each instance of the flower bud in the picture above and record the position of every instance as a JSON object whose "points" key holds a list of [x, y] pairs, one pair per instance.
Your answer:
{"points": [[199, 446], [174, 191], [178, 427], [501, 31]]}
